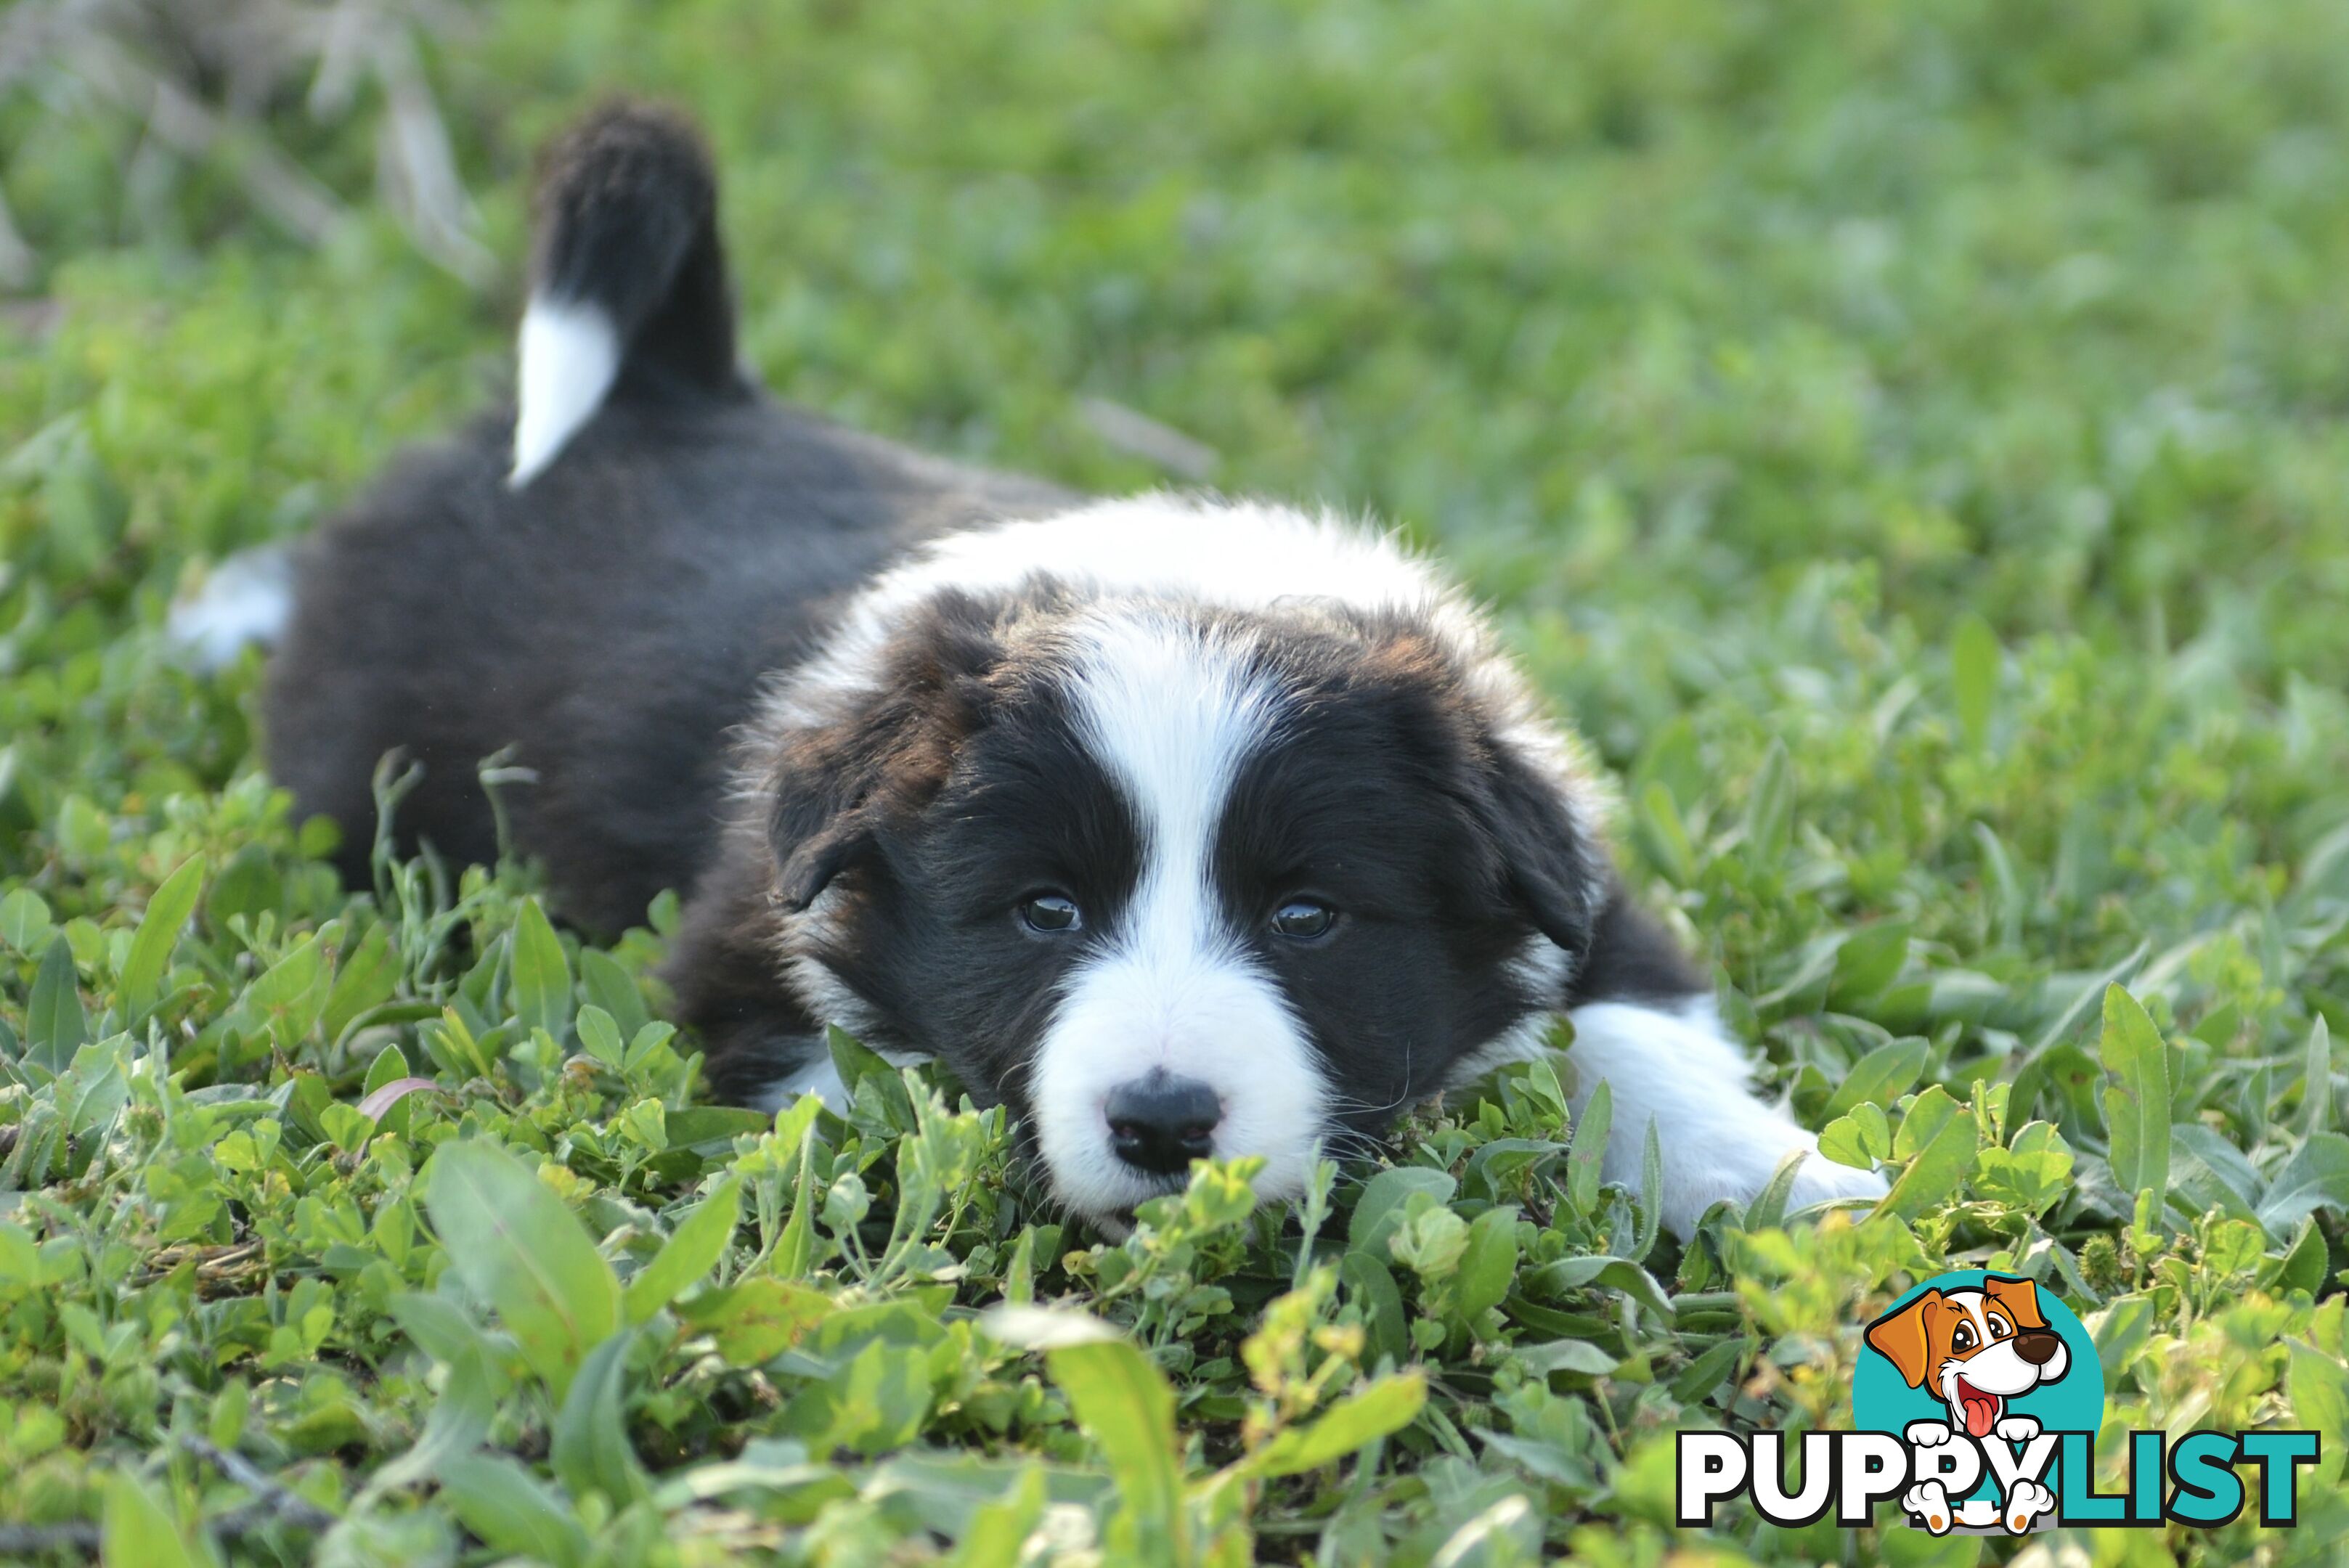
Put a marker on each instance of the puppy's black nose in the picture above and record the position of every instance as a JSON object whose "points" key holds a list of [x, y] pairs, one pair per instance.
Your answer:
{"points": [[2037, 1345], [1161, 1123]]}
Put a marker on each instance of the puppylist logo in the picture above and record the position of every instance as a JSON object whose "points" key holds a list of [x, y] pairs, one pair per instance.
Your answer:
{"points": [[1977, 1400]]}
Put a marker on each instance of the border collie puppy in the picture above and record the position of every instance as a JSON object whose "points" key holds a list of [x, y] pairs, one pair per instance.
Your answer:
{"points": [[1181, 826]]}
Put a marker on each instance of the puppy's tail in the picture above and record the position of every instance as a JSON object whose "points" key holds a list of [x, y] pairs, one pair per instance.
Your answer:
{"points": [[627, 279]]}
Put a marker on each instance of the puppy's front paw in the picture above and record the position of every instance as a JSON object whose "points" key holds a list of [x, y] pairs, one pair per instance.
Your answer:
{"points": [[1926, 1434], [2026, 1500], [1929, 1504], [2017, 1429]]}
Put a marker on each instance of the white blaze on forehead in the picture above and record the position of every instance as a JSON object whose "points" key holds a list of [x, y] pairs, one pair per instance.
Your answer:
{"points": [[1171, 714]]}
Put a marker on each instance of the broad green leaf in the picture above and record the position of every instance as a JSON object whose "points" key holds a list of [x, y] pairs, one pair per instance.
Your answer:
{"points": [[999, 1531], [1973, 678], [2136, 1112], [290, 995], [248, 885], [1651, 1195], [1488, 1267], [1579, 1356], [25, 921], [541, 976], [2033, 1171], [1880, 1078], [519, 1248], [1383, 1408], [590, 1450], [600, 1037], [513, 1511], [158, 934], [691, 1251], [1770, 810], [1941, 1151], [1611, 1273], [459, 1424], [1660, 834], [1697, 1381], [368, 977], [2303, 1267], [1587, 1161], [2318, 1386], [1842, 1141], [443, 1330], [1380, 1209], [613, 989], [1867, 962], [55, 1025], [714, 1125], [1769, 1209], [2122, 1330], [138, 1531], [389, 1065], [1123, 1404], [20, 1260], [2316, 1177], [757, 1319], [876, 1403], [1370, 1285], [2212, 1173]]}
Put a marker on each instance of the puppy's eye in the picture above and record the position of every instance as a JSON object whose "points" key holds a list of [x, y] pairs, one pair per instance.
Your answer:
{"points": [[1303, 919], [1961, 1337], [1999, 1329], [1052, 914]]}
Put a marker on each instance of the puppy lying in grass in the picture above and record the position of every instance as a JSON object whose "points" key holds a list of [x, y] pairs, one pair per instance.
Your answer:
{"points": [[1183, 827]]}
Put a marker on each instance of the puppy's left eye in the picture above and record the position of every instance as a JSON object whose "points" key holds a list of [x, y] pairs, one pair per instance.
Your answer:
{"points": [[1050, 914], [1303, 919]]}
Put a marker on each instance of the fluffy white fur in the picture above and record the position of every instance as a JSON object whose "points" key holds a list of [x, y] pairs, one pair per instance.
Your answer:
{"points": [[819, 1078], [569, 355], [1171, 716], [247, 599], [1681, 1071]]}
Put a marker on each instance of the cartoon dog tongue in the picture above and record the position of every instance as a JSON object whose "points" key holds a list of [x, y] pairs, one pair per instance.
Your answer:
{"points": [[1981, 1409]]}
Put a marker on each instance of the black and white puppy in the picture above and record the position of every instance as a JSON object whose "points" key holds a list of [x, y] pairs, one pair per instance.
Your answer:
{"points": [[1180, 826]]}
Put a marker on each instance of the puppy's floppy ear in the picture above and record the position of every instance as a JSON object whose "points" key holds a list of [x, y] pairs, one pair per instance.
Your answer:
{"points": [[838, 786], [2018, 1297], [1549, 863], [1904, 1338]]}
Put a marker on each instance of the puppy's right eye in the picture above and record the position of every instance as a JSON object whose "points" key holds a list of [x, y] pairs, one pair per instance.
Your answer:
{"points": [[1052, 914]]}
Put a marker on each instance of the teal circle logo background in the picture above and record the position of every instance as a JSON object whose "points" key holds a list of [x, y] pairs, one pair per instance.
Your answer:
{"points": [[1882, 1401]]}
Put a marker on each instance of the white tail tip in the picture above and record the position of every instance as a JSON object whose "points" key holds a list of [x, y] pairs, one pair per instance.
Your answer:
{"points": [[569, 355]]}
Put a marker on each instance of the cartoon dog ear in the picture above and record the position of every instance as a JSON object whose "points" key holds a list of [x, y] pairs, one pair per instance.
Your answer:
{"points": [[2018, 1297], [1902, 1337], [835, 786]]}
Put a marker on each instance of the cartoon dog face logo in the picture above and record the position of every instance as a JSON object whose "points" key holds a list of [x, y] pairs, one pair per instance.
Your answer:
{"points": [[1976, 1349]]}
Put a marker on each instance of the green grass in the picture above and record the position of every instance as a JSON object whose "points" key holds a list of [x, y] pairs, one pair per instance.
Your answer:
{"points": [[1910, 442]]}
